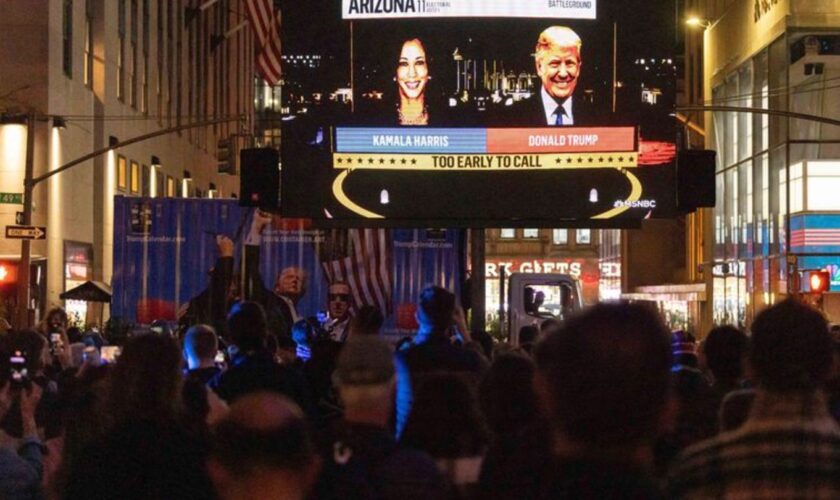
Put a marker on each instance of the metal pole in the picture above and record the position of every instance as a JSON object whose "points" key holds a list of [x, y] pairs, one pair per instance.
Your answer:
{"points": [[615, 64], [25, 244], [118, 145], [761, 111], [477, 280], [29, 183], [504, 331]]}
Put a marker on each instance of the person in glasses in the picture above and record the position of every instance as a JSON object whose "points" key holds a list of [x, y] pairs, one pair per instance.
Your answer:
{"points": [[337, 323]]}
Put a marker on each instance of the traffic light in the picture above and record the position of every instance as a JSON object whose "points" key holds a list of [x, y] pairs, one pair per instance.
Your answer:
{"points": [[227, 155], [819, 281], [8, 273]]}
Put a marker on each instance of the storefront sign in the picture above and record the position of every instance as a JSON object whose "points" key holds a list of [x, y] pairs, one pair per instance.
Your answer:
{"points": [[574, 268]]}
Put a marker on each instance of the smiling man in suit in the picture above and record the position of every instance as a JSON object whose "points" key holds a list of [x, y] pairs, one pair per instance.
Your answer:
{"points": [[558, 64]]}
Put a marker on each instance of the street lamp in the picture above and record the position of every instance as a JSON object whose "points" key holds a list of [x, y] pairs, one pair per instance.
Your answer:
{"points": [[59, 122], [697, 21]]}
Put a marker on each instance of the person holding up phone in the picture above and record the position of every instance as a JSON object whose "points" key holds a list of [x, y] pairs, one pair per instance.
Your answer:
{"points": [[25, 355], [54, 329], [22, 468]]}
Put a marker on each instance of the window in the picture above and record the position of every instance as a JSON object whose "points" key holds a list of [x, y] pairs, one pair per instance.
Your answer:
{"points": [[170, 59], [507, 233], [170, 186], [135, 177], [121, 51], [67, 38], [122, 174], [88, 61], [583, 237], [161, 43], [530, 233], [160, 184], [132, 63], [144, 77], [560, 236], [145, 182]]}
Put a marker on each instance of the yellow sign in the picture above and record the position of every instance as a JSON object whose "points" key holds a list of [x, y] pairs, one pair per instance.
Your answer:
{"points": [[484, 162]]}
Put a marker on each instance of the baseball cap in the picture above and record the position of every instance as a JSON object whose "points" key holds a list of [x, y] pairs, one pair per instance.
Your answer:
{"points": [[365, 360]]}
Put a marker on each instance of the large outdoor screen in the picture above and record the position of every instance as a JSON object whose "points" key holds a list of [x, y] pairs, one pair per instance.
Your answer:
{"points": [[475, 112]]}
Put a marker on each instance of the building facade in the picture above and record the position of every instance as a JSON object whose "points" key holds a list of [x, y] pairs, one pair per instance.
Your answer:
{"points": [[97, 72], [777, 206], [571, 251]]}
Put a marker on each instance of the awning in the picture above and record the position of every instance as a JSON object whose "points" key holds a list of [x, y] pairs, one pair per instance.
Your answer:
{"points": [[693, 292], [89, 291]]}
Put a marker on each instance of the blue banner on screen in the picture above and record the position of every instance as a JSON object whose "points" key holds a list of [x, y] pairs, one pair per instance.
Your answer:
{"points": [[396, 140], [167, 256]]}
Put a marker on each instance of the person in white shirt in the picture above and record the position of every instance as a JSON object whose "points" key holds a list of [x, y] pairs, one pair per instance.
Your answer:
{"points": [[558, 63]]}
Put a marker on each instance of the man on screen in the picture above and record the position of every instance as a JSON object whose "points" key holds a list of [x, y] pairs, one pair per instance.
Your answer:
{"points": [[558, 64]]}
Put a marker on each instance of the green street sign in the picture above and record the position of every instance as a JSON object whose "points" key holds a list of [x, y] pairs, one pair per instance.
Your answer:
{"points": [[11, 198]]}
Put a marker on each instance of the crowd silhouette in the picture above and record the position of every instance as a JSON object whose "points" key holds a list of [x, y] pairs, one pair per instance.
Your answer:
{"points": [[607, 404]]}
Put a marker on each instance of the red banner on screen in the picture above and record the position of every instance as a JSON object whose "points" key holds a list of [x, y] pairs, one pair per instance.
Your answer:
{"points": [[561, 140]]}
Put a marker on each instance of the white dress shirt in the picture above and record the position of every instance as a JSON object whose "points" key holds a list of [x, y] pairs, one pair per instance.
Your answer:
{"points": [[550, 108]]}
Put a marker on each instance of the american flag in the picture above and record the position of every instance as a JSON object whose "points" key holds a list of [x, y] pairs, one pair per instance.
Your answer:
{"points": [[266, 23], [362, 259]]}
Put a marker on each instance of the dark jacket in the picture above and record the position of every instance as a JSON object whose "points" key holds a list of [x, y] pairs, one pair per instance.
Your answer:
{"points": [[277, 311], [210, 307], [435, 354], [531, 113], [363, 462], [21, 472], [591, 480], [251, 372], [142, 459]]}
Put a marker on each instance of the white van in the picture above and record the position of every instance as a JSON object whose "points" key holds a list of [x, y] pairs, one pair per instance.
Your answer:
{"points": [[533, 298]]}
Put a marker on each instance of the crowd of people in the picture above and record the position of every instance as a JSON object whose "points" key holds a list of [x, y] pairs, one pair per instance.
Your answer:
{"points": [[607, 404]]}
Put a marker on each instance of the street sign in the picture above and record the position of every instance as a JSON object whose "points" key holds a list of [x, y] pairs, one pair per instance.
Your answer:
{"points": [[18, 218], [11, 198], [26, 232]]}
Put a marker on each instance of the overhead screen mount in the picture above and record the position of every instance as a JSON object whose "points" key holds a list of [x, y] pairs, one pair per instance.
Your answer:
{"points": [[459, 120]]}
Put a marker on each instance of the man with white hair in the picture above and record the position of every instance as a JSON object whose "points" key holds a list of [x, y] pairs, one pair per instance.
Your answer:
{"points": [[279, 302], [558, 64]]}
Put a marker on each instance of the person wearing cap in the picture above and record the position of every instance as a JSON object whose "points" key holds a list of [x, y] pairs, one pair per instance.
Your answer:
{"points": [[696, 414], [360, 456]]}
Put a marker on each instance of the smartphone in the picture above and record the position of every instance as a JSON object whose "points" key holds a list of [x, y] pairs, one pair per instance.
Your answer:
{"points": [[91, 356], [220, 357], [55, 343], [110, 353], [19, 372]]}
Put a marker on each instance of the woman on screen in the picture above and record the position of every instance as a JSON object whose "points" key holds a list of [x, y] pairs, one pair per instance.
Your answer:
{"points": [[412, 79]]}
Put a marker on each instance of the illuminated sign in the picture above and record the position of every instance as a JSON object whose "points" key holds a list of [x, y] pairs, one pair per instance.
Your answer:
{"points": [[578, 269], [379, 9], [762, 7], [449, 118]]}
